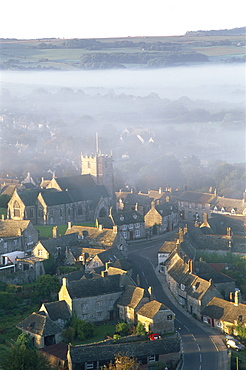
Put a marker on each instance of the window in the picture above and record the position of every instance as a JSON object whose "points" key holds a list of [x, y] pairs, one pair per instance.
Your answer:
{"points": [[84, 316], [88, 164], [61, 213], [182, 287], [137, 233], [181, 204], [189, 205], [131, 226], [16, 209], [169, 317], [89, 365], [99, 314], [124, 235], [152, 358], [40, 252], [80, 211], [124, 227], [137, 225], [40, 212], [31, 213], [99, 303]]}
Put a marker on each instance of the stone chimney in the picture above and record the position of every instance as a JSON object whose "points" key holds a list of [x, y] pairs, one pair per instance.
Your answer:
{"points": [[100, 228], [150, 291], [115, 229], [231, 298], [181, 235], [55, 232], [136, 207], [64, 281], [228, 231], [153, 204], [160, 190], [237, 298], [104, 273], [19, 231], [178, 246], [191, 266], [2, 217], [69, 224], [205, 219]]}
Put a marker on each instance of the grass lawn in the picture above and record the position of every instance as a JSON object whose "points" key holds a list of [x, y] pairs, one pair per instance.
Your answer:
{"points": [[46, 231], [100, 333]]}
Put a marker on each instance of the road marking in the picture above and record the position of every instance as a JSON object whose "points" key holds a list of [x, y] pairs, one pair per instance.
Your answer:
{"points": [[217, 349], [187, 328], [199, 348], [200, 358], [200, 367], [193, 337]]}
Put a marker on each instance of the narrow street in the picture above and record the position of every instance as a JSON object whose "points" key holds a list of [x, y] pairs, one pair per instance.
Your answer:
{"points": [[200, 351]]}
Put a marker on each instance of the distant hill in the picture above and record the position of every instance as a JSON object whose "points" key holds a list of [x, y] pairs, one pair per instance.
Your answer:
{"points": [[224, 32]]}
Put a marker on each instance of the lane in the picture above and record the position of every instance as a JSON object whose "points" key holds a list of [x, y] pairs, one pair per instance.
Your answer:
{"points": [[199, 351]]}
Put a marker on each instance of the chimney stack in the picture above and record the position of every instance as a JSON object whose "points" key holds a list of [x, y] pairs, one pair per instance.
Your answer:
{"points": [[228, 231], [178, 246], [104, 273], [191, 266], [181, 235], [115, 229], [69, 224], [237, 298], [2, 217], [55, 232], [100, 227], [64, 281], [136, 207]]}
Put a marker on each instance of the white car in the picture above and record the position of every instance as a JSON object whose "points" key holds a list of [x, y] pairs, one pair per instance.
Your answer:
{"points": [[233, 343]]}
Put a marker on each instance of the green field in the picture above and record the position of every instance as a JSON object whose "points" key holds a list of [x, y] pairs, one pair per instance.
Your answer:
{"points": [[59, 54], [46, 231]]}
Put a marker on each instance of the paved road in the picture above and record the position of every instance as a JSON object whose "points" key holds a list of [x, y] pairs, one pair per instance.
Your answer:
{"points": [[200, 351]]}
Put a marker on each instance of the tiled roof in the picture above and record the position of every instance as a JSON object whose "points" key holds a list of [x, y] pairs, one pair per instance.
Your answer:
{"points": [[192, 196], [229, 203], [141, 199], [226, 311], [87, 193], [58, 310], [150, 309], [39, 323], [29, 197], [110, 255], [199, 287], [106, 352], [217, 277], [57, 198], [127, 217], [94, 287], [132, 296], [58, 350], [9, 228]]}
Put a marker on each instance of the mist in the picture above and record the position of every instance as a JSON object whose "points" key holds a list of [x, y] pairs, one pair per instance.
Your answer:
{"points": [[154, 121]]}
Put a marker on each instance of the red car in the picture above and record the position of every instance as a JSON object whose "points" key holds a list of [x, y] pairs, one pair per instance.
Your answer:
{"points": [[155, 336]]}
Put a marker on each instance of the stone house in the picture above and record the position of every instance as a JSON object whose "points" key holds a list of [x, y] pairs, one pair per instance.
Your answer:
{"points": [[225, 315], [147, 353], [129, 223], [98, 237], [134, 202], [17, 236], [192, 205], [56, 355], [42, 330], [76, 199], [108, 258], [130, 301], [94, 300], [191, 292], [58, 312], [161, 218], [229, 206], [156, 317], [54, 247], [164, 252]]}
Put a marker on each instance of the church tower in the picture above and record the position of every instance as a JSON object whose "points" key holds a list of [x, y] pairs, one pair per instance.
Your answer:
{"points": [[99, 166]]}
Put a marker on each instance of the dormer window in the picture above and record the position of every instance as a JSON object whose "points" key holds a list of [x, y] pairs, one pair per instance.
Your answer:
{"points": [[233, 211], [121, 218], [182, 287], [215, 209], [222, 209]]}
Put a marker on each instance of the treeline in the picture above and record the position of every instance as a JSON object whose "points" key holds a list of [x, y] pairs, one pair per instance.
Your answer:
{"points": [[231, 32], [153, 60]]}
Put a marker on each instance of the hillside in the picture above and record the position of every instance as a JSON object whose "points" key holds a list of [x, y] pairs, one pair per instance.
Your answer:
{"points": [[225, 46]]}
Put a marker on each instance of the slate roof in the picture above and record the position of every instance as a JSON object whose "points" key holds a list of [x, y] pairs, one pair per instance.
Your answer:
{"points": [[106, 352], [52, 244], [75, 182], [87, 193], [141, 199], [193, 196], [229, 203], [127, 217], [219, 224], [40, 324], [223, 310], [150, 309], [10, 228], [29, 197], [217, 277], [199, 287], [94, 287], [110, 255], [57, 310], [56, 198], [167, 247], [132, 296], [95, 236]]}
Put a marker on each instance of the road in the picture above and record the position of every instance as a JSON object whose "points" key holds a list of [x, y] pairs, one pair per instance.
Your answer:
{"points": [[199, 351]]}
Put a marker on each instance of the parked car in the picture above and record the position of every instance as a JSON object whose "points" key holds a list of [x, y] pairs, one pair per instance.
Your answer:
{"points": [[233, 343], [155, 336]]}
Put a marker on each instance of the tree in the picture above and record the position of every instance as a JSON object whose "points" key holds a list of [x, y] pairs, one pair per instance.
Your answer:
{"points": [[23, 356], [122, 329], [45, 285], [79, 330], [123, 363], [140, 329]]}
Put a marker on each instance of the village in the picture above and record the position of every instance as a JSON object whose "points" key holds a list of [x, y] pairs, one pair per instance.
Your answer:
{"points": [[97, 283]]}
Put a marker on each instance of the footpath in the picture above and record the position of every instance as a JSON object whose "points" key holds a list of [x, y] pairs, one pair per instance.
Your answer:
{"points": [[215, 336]]}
